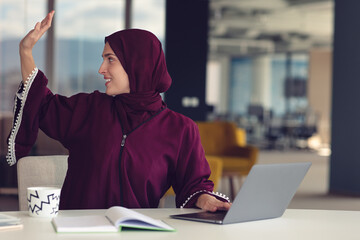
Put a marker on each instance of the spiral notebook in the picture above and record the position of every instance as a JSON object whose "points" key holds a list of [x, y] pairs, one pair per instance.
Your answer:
{"points": [[266, 193]]}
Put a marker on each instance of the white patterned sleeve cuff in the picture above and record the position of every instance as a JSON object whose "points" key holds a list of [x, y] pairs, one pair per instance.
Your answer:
{"points": [[215, 194], [18, 112]]}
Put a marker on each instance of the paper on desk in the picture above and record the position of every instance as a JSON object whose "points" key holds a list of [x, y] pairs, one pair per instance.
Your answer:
{"points": [[9, 222], [93, 223]]}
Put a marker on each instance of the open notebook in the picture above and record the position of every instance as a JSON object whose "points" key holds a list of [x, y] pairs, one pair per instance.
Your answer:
{"points": [[266, 193], [115, 219]]}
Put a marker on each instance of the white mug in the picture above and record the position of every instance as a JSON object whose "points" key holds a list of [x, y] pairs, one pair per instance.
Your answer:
{"points": [[43, 201]]}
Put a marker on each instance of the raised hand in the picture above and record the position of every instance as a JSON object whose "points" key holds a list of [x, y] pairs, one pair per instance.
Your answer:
{"points": [[29, 41]]}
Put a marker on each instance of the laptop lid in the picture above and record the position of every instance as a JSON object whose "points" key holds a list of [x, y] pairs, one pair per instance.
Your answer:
{"points": [[266, 193]]}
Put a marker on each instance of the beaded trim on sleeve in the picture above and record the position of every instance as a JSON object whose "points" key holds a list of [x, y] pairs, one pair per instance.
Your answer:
{"points": [[217, 194], [11, 157]]}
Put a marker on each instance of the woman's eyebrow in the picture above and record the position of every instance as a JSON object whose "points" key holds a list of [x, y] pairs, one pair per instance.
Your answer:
{"points": [[108, 54]]}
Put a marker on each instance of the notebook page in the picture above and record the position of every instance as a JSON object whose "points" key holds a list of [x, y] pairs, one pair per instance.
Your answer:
{"points": [[93, 223]]}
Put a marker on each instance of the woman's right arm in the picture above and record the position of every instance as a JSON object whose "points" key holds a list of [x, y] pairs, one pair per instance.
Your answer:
{"points": [[28, 42], [25, 129], [35, 105]]}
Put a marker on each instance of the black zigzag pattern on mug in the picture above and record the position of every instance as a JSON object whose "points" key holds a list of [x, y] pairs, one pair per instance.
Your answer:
{"points": [[55, 210], [42, 202]]}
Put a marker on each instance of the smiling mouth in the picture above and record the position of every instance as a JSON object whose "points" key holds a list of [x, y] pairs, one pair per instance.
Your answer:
{"points": [[107, 81]]}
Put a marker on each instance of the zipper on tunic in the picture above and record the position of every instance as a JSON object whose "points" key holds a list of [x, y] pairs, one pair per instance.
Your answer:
{"points": [[123, 140], [124, 136], [120, 181]]}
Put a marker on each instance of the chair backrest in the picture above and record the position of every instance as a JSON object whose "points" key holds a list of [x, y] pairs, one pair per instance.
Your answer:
{"points": [[216, 167], [241, 137], [35, 171], [217, 137]]}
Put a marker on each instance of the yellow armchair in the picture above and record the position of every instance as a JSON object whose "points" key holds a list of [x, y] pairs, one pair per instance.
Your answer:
{"points": [[224, 140]]}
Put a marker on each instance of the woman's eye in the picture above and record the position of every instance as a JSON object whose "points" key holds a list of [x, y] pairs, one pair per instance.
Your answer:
{"points": [[110, 59]]}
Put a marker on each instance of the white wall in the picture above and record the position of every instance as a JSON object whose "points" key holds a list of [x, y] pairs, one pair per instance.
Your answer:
{"points": [[319, 90]]}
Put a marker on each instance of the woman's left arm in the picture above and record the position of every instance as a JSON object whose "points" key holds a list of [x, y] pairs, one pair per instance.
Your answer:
{"points": [[192, 186]]}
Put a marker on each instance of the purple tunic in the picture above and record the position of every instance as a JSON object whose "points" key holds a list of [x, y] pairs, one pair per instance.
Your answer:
{"points": [[104, 167]]}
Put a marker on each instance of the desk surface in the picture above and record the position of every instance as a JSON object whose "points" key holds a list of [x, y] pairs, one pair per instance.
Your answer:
{"points": [[294, 224]]}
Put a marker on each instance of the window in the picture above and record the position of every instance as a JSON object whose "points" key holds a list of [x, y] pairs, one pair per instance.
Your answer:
{"points": [[17, 18], [81, 27], [149, 15], [240, 85]]}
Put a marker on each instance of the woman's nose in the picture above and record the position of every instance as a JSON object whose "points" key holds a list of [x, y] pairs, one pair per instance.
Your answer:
{"points": [[102, 69]]}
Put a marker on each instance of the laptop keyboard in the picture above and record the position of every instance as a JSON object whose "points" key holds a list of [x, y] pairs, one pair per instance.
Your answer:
{"points": [[210, 215]]}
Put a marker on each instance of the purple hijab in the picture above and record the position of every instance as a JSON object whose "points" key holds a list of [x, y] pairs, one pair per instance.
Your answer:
{"points": [[143, 59]]}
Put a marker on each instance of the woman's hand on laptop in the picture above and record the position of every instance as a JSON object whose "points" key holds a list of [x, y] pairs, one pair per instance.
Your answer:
{"points": [[211, 203]]}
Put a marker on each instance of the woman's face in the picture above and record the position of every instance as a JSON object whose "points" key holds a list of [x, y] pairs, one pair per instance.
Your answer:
{"points": [[116, 79]]}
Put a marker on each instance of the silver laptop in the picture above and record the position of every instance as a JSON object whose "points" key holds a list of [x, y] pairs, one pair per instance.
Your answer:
{"points": [[266, 193]]}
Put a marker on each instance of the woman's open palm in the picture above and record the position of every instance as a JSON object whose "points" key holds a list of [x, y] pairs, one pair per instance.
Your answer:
{"points": [[29, 41]]}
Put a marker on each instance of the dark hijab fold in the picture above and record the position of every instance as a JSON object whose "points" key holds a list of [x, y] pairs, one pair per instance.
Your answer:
{"points": [[143, 59]]}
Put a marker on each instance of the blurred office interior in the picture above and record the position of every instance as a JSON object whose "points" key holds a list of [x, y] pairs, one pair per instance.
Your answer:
{"points": [[265, 65]]}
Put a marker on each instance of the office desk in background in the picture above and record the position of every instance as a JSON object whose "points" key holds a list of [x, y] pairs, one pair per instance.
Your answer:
{"points": [[294, 224]]}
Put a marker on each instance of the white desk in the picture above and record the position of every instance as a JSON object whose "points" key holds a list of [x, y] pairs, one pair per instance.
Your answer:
{"points": [[294, 224]]}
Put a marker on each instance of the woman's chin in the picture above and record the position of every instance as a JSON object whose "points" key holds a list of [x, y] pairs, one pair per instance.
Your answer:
{"points": [[109, 93]]}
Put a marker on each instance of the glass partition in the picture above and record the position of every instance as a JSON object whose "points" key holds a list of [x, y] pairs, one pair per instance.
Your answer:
{"points": [[81, 27], [17, 17], [150, 15]]}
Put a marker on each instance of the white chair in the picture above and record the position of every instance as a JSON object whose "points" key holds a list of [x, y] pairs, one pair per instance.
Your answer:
{"points": [[39, 171]]}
